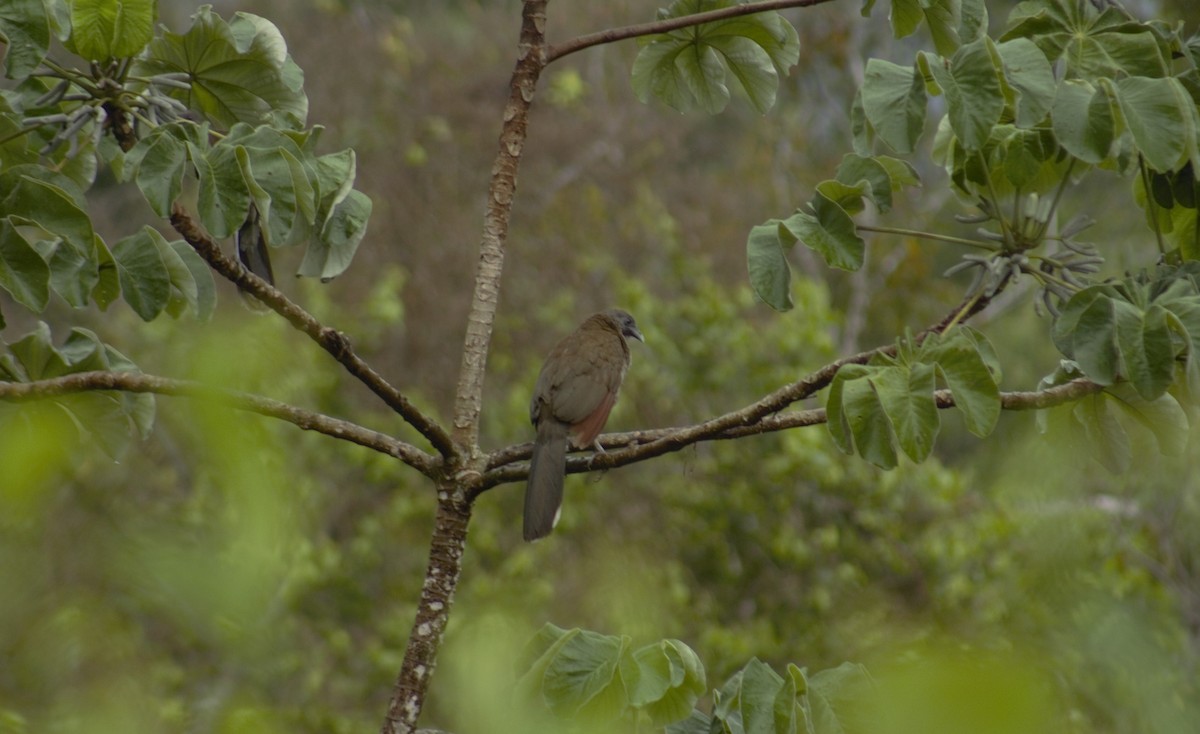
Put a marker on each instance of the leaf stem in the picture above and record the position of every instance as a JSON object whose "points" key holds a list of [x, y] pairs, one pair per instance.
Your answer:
{"points": [[978, 244], [1062, 186]]}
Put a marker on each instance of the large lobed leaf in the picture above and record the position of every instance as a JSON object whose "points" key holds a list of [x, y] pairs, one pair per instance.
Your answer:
{"points": [[239, 71], [688, 69], [585, 675]]}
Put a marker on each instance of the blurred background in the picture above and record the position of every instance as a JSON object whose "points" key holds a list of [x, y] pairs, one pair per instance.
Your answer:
{"points": [[234, 574]]}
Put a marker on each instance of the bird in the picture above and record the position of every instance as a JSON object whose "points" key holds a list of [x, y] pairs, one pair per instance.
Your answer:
{"points": [[575, 392]]}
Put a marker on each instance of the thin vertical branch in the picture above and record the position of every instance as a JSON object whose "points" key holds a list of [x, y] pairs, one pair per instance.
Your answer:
{"points": [[454, 505], [531, 59]]}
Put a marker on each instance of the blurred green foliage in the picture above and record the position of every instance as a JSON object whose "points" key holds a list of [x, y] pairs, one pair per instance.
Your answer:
{"points": [[232, 575]]}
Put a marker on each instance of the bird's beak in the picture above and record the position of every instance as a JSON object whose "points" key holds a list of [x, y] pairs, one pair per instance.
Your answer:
{"points": [[637, 335]]}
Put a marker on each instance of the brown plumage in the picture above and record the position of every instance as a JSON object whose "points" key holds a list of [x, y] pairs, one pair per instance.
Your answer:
{"points": [[575, 392]]}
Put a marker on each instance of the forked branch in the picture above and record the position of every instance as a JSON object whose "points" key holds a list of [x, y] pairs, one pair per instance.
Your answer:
{"points": [[331, 340]]}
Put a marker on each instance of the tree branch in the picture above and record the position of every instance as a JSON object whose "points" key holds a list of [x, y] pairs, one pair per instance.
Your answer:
{"points": [[468, 400], [612, 35], [330, 340], [636, 446], [139, 382]]}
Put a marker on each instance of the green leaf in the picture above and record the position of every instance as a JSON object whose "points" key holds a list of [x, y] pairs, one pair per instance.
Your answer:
{"points": [[766, 259], [329, 255], [962, 359], [583, 671], [1147, 354], [25, 30], [144, 277], [160, 158], [224, 198], [104, 29], [668, 681], [756, 697], [1028, 73], [906, 17], [1094, 341], [23, 272], [1083, 120], [829, 230], [108, 285], [835, 695], [204, 300], [907, 398], [686, 69], [696, 723], [282, 192], [1105, 433], [837, 421], [943, 18], [971, 85], [45, 209], [893, 98], [240, 71], [867, 420], [1162, 416], [49, 201], [1159, 114], [855, 168], [1094, 44]]}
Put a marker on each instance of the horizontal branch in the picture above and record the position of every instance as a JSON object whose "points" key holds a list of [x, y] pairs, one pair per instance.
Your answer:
{"points": [[632, 447], [331, 340], [613, 35], [139, 382]]}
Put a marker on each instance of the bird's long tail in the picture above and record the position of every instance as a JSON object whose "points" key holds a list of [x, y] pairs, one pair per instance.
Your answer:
{"points": [[543, 494]]}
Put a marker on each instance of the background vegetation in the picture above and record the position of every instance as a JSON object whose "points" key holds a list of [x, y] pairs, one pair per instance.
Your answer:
{"points": [[231, 574]]}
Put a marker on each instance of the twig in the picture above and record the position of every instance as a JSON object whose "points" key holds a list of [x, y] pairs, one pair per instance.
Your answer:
{"points": [[329, 339], [139, 382], [613, 35]]}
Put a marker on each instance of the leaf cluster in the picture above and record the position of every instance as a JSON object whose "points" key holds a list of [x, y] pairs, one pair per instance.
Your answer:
{"points": [[585, 676]]}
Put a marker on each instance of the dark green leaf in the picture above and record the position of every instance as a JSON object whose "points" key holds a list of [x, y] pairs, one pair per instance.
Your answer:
{"points": [[770, 275], [830, 231], [893, 99], [1028, 73], [240, 70], [160, 159], [686, 69], [907, 398], [26, 33], [1160, 115], [204, 300], [855, 168], [224, 198], [1083, 120], [971, 85], [330, 254], [868, 422], [145, 280], [963, 362], [23, 272]]}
